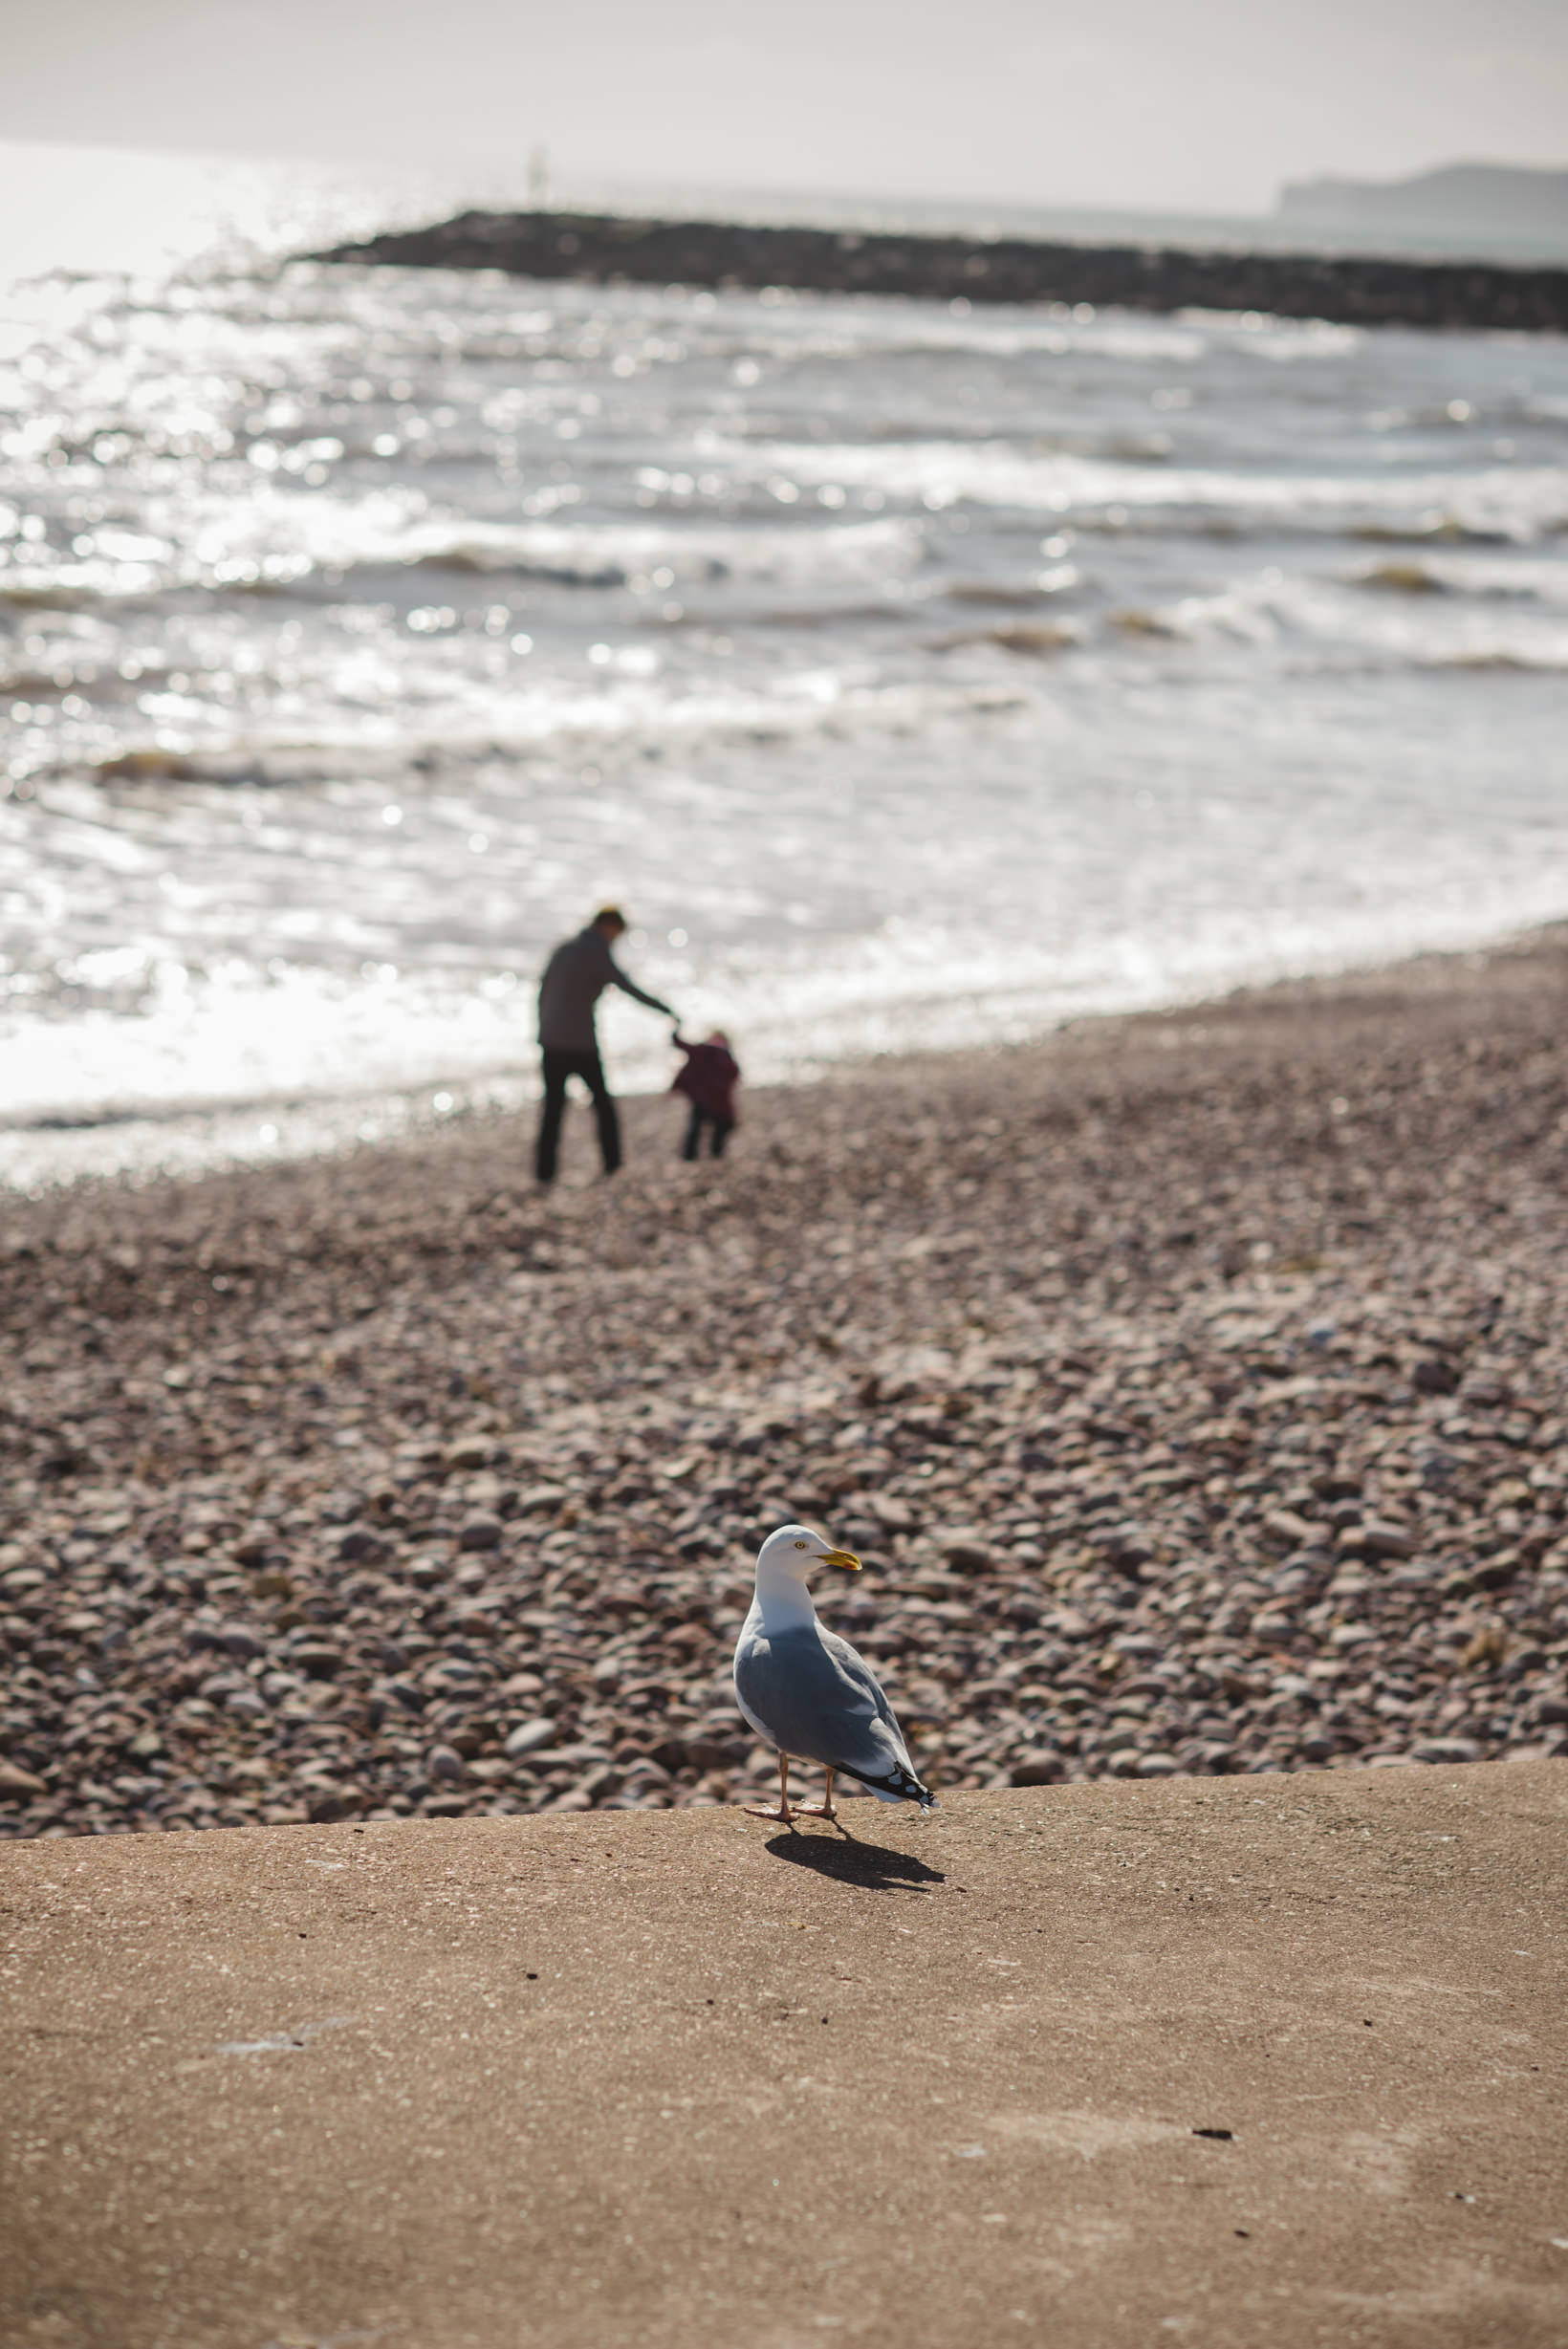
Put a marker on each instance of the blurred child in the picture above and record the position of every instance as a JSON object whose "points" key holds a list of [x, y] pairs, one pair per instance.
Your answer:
{"points": [[708, 1080]]}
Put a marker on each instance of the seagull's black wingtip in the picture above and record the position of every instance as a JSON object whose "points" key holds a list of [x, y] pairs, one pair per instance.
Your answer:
{"points": [[902, 1784]]}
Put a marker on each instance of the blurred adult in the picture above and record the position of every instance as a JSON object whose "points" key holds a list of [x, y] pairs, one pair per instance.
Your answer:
{"points": [[576, 976]]}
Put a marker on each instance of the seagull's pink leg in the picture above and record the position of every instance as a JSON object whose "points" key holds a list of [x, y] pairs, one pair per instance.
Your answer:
{"points": [[818, 1810], [760, 1810]]}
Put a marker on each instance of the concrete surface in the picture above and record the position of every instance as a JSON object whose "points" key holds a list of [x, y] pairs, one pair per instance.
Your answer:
{"points": [[684, 2078]]}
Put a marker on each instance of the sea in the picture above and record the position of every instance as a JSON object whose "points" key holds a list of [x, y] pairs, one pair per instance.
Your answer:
{"points": [[916, 675]]}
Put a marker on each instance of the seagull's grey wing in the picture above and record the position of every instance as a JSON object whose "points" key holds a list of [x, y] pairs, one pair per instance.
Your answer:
{"points": [[815, 1697], [864, 1677]]}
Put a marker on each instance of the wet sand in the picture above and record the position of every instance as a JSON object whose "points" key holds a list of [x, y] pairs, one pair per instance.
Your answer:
{"points": [[1193, 1386]]}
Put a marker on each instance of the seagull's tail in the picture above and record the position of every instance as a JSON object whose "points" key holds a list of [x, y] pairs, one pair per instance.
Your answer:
{"points": [[899, 1785]]}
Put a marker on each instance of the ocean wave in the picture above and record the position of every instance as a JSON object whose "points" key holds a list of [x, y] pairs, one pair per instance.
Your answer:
{"points": [[275, 541], [1427, 530], [1036, 641], [1041, 587], [1514, 502], [1405, 578], [896, 332], [629, 708], [1488, 579], [1544, 658], [611, 553]]}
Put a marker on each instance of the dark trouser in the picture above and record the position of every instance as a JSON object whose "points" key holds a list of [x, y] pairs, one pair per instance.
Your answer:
{"points": [[558, 1068], [722, 1128]]}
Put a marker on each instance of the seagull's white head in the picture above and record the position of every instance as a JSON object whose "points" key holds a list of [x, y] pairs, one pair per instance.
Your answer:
{"points": [[796, 1552]]}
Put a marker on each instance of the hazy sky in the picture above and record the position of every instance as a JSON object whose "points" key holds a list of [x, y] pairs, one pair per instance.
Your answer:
{"points": [[1205, 105]]}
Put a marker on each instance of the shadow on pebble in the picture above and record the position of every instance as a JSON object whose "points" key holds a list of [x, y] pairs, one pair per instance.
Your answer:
{"points": [[870, 1865]]}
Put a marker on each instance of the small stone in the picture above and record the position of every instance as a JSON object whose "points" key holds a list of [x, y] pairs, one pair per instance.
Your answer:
{"points": [[858, 1534], [1158, 1766], [1285, 1526], [333, 1803], [358, 1545], [528, 1736], [469, 1453], [480, 1532], [445, 1762], [893, 1515], [317, 1660], [535, 1499], [1381, 1539], [1444, 1749], [19, 1785], [235, 1641], [1037, 1770], [1126, 1545]]}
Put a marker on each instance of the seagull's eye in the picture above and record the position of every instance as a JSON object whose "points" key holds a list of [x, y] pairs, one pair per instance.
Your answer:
{"points": [[802, 1545]]}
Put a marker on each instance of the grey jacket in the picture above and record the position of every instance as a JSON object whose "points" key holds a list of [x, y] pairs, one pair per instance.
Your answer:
{"points": [[575, 977]]}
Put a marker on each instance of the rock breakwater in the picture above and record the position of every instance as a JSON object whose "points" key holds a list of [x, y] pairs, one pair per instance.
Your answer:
{"points": [[609, 249], [1196, 1388]]}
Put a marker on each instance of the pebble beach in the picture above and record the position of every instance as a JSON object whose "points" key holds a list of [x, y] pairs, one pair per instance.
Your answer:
{"points": [[1191, 1386]]}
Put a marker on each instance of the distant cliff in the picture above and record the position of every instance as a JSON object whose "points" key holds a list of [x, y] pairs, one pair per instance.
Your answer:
{"points": [[606, 249], [1462, 199]]}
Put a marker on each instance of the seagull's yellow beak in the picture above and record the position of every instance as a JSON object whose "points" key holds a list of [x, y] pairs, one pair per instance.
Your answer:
{"points": [[841, 1557]]}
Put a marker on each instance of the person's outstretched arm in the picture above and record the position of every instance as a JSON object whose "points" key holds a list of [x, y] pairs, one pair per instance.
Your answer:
{"points": [[629, 987]]}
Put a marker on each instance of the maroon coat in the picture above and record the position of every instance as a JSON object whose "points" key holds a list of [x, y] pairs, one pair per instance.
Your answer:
{"points": [[708, 1079]]}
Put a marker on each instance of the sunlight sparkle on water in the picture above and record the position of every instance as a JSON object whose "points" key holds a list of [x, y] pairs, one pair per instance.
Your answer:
{"points": [[1144, 656]]}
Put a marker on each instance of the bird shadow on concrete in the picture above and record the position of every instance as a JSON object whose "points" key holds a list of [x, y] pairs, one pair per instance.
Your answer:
{"points": [[869, 1867]]}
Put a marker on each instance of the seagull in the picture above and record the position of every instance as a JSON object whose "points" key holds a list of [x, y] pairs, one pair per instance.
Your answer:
{"points": [[806, 1690]]}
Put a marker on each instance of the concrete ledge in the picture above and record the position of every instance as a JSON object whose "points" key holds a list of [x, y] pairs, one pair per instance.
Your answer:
{"points": [[1270, 2060]]}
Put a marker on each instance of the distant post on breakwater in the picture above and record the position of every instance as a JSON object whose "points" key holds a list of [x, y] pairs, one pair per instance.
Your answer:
{"points": [[1350, 290]]}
